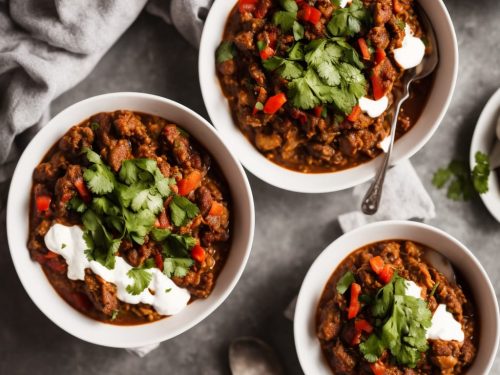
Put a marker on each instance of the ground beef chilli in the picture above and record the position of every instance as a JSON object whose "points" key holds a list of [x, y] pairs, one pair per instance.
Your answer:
{"points": [[264, 49], [61, 192], [345, 323]]}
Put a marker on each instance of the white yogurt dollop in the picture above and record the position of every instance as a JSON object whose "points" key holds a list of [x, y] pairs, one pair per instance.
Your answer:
{"points": [[373, 108], [443, 323], [411, 52], [444, 326], [343, 3], [162, 293]]}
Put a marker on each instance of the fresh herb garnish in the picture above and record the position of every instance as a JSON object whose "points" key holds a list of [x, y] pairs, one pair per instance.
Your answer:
{"points": [[289, 5], [182, 210], [349, 21], [285, 20], [463, 182], [141, 278], [400, 23], [433, 290], [99, 178], [403, 324], [345, 281], [226, 51], [63, 245], [177, 267], [76, 204], [168, 290], [298, 31], [323, 71], [114, 314], [94, 126]]}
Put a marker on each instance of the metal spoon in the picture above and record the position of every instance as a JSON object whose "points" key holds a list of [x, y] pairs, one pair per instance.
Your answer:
{"points": [[371, 200], [251, 356]]}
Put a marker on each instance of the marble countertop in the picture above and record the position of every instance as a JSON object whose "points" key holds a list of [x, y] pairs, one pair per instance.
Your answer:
{"points": [[291, 229]]}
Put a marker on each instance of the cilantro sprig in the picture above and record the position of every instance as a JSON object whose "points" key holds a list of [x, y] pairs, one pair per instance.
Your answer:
{"points": [[461, 181], [404, 321], [350, 20]]}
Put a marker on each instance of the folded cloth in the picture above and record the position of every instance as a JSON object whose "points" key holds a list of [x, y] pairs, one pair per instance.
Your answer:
{"points": [[404, 198]]}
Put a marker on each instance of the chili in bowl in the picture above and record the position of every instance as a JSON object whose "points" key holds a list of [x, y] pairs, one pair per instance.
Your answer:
{"points": [[384, 299], [307, 86], [138, 214]]}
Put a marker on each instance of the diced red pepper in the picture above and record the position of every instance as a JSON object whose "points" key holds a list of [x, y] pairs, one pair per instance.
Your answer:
{"points": [[314, 16], [247, 5], [274, 103], [266, 53], [386, 274], [217, 209], [305, 12], [198, 253], [82, 190], [159, 261], [300, 3], [377, 264], [363, 47], [363, 325], [354, 305], [379, 55], [318, 110], [377, 87], [354, 115], [189, 183], [378, 368], [43, 202]]}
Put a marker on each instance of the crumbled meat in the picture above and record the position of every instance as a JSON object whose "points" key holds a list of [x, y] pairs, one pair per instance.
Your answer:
{"points": [[101, 293]]}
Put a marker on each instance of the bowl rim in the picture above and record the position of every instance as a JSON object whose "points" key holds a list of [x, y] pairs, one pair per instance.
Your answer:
{"points": [[287, 179], [247, 214], [302, 312]]}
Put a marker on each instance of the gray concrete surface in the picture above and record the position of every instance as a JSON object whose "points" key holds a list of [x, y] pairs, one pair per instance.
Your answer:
{"points": [[291, 229]]}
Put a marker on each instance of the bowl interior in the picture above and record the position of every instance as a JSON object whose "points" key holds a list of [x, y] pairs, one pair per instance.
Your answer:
{"points": [[31, 274], [255, 162], [306, 342]]}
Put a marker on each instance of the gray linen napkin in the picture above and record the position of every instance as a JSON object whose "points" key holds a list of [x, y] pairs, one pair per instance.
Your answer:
{"points": [[404, 198], [48, 46]]}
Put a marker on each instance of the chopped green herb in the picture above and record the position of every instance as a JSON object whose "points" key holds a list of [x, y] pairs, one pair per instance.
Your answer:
{"points": [[349, 21], [76, 204], [114, 314], [99, 178], [225, 52], [63, 246], [177, 267], [168, 290], [400, 23], [298, 31], [461, 181], [182, 210], [94, 126], [404, 321], [481, 172], [259, 106], [289, 5], [345, 282], [141, 278], [285, 20], [433, 290], [261, 45]]}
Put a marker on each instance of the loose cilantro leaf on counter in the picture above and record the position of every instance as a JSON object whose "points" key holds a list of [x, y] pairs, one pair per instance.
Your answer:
{"points": [[225, 52], [182, 210], [141, 278], [345, 282], [404, 321], [481, 172], [350, 20], [461, 181]]}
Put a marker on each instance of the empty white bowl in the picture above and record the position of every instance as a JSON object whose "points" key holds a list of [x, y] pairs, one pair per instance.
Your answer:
{"points": [[306, 342], [255, 162], [30, 273]]}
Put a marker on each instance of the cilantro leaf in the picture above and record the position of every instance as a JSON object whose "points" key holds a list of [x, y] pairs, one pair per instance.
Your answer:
{"points": [[138, 224], [350, 20], [160, 235], [99, 179], [291, 70], [102, 247], [182, 210], [296, 53], [345, 282], [141, 278], [178, 245], [289, 5], [481, 172], [405, 320], [177, 267], [226, 51], [76, 204], [285, 20], [298, 31], [301, 95]]}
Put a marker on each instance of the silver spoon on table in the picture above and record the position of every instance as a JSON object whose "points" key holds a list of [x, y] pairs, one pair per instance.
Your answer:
{"points": [[371, 201], [251, 356]]}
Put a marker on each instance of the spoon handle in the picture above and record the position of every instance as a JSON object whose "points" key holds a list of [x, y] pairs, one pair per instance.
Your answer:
{"points": [[371, 201]]}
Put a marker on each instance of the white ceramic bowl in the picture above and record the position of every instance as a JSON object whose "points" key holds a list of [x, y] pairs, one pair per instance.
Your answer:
{"points": [[255, 162], [306, 342], [31, 274]]}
